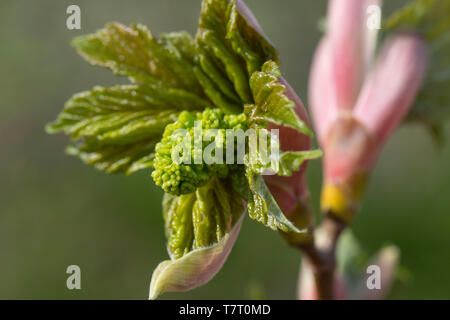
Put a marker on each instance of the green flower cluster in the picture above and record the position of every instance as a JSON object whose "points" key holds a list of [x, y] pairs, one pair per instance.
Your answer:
{"points": [[179, 164]]}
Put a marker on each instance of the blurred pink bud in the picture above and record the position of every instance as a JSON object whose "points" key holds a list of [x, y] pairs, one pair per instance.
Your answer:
{"points": [[322, 100], [346, 54], [391, 87], [348, 149], [352, 139], [355, 109]]}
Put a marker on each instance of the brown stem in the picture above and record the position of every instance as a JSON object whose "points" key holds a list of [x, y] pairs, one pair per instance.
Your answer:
{"points": [[321, 255]]}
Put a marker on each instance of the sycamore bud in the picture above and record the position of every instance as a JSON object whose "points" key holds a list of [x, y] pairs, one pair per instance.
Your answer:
{"points": [[354, 110]]}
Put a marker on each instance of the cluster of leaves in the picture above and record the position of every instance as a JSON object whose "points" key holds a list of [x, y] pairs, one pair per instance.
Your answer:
{"points": [[431, 18], [228, 77]]}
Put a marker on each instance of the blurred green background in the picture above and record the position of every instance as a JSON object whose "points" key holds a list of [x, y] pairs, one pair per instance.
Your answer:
{"points": [[56, 211]]}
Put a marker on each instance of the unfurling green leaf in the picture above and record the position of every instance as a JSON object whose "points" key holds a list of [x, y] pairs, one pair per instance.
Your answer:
{"points": [[202, 218], [247, 40], [117, 128], [271, 104], [116, 159], [134, 52], [193, 269], [261, 205], [201, 228], [291, 161], [431, 18], [229, 51]]}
